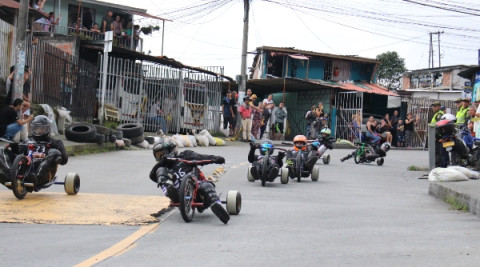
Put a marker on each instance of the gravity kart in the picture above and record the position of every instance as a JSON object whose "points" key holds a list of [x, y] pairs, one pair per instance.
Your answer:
{"points": [[265, 168], [297, 171], [189, 199], [21, 178], [361, 154]]}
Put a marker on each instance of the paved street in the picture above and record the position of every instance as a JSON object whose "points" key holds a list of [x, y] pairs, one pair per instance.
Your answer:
{"points": [[360, 215]]}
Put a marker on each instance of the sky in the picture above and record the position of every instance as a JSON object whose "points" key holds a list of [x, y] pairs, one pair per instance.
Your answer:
{"points": [[209, 32]]}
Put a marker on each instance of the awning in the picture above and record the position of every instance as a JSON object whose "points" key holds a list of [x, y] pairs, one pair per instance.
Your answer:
{"points": [[133, 12], [301, 57], [468, 73], [294, 84]]}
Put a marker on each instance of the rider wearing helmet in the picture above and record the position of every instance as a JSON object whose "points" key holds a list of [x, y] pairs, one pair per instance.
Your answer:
{"points": [[323, 142], [52, 150], [168, 174], [276, 162], [300, 144]]}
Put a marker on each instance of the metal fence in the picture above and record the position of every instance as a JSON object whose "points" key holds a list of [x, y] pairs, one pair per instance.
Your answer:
{"points": [[189, 100], [422, 112], [7, 55], [349, 109], [60, 79]]}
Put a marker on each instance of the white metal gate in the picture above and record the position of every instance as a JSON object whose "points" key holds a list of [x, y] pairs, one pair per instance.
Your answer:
{"points": [[349, 115]]}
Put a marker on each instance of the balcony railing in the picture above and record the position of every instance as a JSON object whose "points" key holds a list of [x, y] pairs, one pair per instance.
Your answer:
{"points": [[119, 41]]}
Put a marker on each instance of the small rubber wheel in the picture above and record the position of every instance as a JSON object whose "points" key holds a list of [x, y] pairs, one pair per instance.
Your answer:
{"points": [[249, 175], [234, 202], [315, 173], [72, 183], [326, 159], [357, 157], [18, 173], [187, 188], [284, 176], [380, 161], [138, 139]]}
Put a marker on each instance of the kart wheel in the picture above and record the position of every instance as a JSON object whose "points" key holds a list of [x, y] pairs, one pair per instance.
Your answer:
{"points": [[250, 176], [234, 202], [72, 183], [298, 164], [284, 176], [326, 159], [476, 155], [358, 156], [380, 161], [186, 197], [315, 173], [19, 170]]}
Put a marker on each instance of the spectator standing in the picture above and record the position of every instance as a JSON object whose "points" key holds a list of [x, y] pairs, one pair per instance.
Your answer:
{"points": [[280, 116], [107, 22], [227, 112], [156, 116], [170, 108], [257, 118], [394, 123], [265, 119], [10, 120], [117, 26], [409, 130], [95, 28], [233, 103], [310, 117], [319, 111], [357, 125], [245, 111], [400, 131], [51, 22], [384, 130]]}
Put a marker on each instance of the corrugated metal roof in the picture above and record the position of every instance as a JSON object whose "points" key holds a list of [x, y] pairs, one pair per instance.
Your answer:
{"points": [[311, 53]]}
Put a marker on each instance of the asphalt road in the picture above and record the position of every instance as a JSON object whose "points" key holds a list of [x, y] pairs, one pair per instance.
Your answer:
{"points": [[360, 215]]}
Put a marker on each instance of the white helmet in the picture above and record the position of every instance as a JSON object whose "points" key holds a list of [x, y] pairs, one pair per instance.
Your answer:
{"points": [[449, 117], [385, 146]]}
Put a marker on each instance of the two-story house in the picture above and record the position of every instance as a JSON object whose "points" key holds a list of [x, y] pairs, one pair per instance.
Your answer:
{"points": [[344, 84]]}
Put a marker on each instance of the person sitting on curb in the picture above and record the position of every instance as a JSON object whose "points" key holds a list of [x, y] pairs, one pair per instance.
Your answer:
{"points": [[10, 121]]}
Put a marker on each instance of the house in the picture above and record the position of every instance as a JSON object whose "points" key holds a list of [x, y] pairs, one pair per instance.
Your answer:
{"points": [[442, 83], [344, 84], [67, 62]]}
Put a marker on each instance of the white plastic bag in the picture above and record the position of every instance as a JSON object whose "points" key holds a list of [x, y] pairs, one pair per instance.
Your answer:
{"points": [[467, 172], [211, 141], [202, 140], [193, 140], [446, 175], [51, 116]]}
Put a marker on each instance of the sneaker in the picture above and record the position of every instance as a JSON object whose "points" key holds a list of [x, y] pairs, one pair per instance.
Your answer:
{"points": [[220, 212]]}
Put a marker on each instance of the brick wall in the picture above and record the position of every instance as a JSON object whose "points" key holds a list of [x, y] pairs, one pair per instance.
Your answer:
{"points": [[406, 82], [447, 78]]}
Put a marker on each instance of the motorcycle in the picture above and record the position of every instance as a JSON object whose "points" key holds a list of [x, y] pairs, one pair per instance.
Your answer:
{"points": [[454, 143]]}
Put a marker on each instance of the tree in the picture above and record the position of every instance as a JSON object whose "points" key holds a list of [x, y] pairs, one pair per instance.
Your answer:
{"points": [[390, 70]]}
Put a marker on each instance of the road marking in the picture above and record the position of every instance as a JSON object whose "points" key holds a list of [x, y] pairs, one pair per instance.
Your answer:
{"points": [[124, 245]]}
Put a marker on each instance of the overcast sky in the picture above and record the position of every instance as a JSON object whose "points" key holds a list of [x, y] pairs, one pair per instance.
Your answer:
{"points": [[209, 32]]}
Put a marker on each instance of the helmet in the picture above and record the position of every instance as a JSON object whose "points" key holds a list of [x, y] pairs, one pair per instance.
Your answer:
{"points": [[326, 132], [265, 146], [40, 128], [167, 148], [300, 142], [449, 117], [385, 146]]}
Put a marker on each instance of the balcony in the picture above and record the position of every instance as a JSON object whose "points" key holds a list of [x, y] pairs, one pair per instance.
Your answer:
{"points": [[87, 35]]}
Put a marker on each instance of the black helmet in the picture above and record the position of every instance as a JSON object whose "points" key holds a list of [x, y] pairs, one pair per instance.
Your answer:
{"points": [[40, 128], [166, 148], [265, 146]]}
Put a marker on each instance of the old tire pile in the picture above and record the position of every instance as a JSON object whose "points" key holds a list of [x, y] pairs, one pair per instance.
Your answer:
{"points": [[132, 133], [89, 133]]}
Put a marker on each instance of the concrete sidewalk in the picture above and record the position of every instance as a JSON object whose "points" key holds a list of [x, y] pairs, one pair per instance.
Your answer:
{"points": [[464, 194]]}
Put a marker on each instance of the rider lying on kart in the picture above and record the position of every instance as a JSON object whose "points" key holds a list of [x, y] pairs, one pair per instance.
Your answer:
{"points": [[168, 175], [323, 142], [309, 159], [377, 152], [275, 162], [50, 150]]}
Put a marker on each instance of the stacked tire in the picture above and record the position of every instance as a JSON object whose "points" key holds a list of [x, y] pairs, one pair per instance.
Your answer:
{"points": [[89, 133], [132, 132]]}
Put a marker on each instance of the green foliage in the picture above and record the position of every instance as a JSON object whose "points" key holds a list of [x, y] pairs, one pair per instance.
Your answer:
{"points": [[455, 205], [390, 70], [111, 124], [417, 168]]}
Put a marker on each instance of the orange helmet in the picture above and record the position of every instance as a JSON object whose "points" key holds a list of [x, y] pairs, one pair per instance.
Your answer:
{"points": [[300, 142]]}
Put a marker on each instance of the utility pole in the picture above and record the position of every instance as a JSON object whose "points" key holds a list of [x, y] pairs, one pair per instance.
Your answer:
{"points": [[243, 71], [430, 53], [20, 49]]}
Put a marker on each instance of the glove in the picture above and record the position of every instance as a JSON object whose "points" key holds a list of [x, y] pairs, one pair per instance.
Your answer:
{"points": [[253, 145], [281, 154], [219, 160]]}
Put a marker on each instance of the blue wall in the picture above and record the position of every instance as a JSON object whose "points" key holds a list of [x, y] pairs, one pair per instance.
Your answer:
{"points": [[361, 71], [316, 69]]}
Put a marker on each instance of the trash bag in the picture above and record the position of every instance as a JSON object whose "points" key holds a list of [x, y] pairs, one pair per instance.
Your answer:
{"points": [[51, 116], [467, 172], [446, 175]]}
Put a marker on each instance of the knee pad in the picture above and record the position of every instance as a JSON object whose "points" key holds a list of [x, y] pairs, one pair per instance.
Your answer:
{"points": [[273, 173], [207, 190]]}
